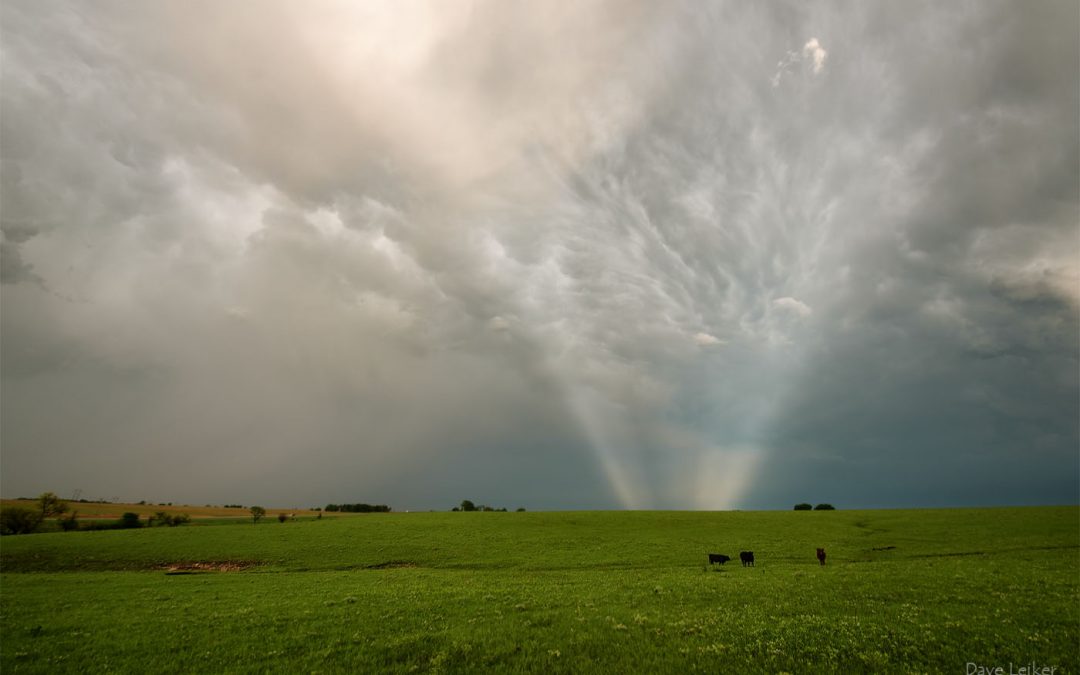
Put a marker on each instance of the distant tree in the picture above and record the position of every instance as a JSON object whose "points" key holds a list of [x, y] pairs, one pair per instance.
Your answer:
{"points": [[257, 513], [19, 520], [803, 507], [129, 521], [50, 505], [467, 505], [333, 508], [824, 507], [455, 509], [520, 509]]}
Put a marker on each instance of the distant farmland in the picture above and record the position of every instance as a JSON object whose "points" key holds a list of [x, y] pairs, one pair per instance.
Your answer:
{"points": [[902, 591], [113, 510]]}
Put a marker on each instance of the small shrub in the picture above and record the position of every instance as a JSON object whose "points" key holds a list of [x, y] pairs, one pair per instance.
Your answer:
{"points": [[18, 520], [95, 525], [70, 522], [803, 507], [282, 517], [163, 519], [824, 507], [257, 513], [129, 521]]}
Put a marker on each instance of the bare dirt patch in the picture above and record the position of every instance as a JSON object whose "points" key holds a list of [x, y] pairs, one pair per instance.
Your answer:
{"points": [[200, 566]]}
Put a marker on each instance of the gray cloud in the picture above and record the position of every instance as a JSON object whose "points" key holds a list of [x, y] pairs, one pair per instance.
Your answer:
{"points": [[614, 255]]}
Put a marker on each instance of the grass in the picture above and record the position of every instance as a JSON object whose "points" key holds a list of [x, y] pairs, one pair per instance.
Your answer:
{"points": [[554, 592]]}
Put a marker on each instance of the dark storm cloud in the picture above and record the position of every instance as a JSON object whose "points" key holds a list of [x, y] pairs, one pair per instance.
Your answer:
{"points": [[624, 254], [948, 360]]}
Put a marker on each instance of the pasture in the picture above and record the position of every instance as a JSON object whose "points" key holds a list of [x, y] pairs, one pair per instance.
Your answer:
{"points": [[612, 592]]}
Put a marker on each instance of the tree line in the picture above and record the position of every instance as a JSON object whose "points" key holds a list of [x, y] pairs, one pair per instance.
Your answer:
{"points": [[357, 508], [468, 505]]}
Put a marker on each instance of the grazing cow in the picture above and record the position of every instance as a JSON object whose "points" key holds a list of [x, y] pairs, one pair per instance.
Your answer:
{"points": [[718, 558], [821, 556], [747, 558]]}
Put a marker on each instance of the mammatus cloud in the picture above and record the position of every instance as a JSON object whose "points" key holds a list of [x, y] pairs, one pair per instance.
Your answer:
{"points": [[573, 258]]}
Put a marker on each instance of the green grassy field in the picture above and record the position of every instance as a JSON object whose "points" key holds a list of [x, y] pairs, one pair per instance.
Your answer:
{"points": [[553, 592]]}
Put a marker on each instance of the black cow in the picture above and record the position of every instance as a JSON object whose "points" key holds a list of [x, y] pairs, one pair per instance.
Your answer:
{"points": [[747, 558], [821, 556], [718, 558]]}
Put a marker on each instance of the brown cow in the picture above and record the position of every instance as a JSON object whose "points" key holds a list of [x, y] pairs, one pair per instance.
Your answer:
{"points": [[821, 556]]}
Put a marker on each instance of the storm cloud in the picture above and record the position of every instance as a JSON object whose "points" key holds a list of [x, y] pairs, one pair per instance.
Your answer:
{"points": [[601, 255]]}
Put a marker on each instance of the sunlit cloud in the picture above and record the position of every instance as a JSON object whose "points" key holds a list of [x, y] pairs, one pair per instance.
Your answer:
{"points": [[706, 340], [815, 52], [792, 305]]}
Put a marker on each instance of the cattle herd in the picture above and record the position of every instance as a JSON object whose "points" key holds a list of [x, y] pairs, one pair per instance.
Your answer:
{"points": [[747, 558]]}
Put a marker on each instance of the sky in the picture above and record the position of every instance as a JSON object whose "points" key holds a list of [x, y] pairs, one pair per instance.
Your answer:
{"points": [[588, 255]]}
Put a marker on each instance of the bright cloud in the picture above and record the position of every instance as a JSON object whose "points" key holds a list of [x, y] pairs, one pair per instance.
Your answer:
{"points": [[705, 340], [812, 50], [815, 51], [792, 305]]}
